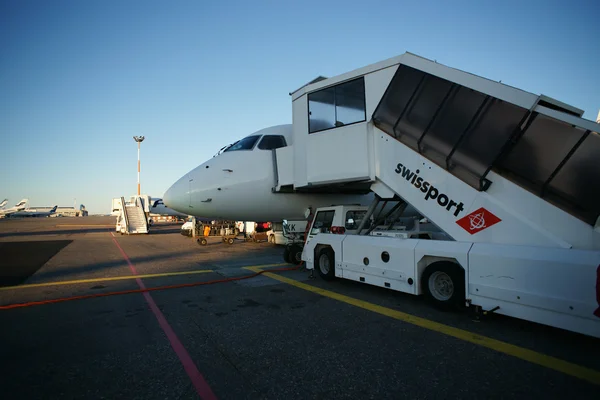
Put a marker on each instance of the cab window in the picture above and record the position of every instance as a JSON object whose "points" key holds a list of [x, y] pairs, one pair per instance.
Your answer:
{"points": [[246, 143], [323, 222], [336, 106], [270, 142], [354, 218]]}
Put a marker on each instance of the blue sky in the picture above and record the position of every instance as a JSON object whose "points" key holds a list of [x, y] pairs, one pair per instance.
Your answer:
{"points": [[80, 78]]}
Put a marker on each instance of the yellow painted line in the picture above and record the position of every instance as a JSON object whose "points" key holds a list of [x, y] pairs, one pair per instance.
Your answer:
{"points": [[83, 226], [126, 277], [556, 364], [115, 278]]}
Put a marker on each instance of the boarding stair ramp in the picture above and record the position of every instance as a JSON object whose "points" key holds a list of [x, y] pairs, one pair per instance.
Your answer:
{"points": [[466, 152], [531, 163], [134, 216]]}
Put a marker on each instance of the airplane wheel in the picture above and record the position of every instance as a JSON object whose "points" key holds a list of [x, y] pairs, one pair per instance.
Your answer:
{"points": [[230, 240], [295, 254], [286, 254], [326, 263], [444, 285]]}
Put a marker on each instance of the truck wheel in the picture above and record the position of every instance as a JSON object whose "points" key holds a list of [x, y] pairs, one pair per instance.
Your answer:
{"points": [[202, 241], [444, 285], [230, 240], [325, 261], [295, 254], [286, 254], [272, 239]]}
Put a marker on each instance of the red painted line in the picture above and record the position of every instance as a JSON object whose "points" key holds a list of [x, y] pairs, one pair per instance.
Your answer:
{"points": [[200, 384]]}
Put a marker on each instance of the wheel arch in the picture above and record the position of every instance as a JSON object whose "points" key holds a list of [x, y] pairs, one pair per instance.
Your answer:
{"points": [[318, 248], [426, 261], [327, 249]]}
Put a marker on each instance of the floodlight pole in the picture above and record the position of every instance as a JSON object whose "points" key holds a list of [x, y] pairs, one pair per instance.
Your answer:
{"points": [[138, 139]]}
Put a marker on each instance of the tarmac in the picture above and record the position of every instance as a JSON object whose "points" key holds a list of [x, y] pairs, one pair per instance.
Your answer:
{"points": [[89, 313]]}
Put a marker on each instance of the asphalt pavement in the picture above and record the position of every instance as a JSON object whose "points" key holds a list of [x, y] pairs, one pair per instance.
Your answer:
{"points": [[258, 338]]}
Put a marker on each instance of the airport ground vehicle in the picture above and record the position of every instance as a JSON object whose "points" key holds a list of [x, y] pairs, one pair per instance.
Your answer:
{"points": [[131, 218], [201, 230], [275, 234], [280, 236], [505, 181], [506, 177], [294, 233]]}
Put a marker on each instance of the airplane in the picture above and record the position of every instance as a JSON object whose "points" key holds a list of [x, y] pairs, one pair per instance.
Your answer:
{"points": [[33, 213], [236, 184], [3, 204], [158, 208], [17, 207]]}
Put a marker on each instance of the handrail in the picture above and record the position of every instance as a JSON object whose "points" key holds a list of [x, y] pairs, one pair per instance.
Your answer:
{"points": [[124, 208]]}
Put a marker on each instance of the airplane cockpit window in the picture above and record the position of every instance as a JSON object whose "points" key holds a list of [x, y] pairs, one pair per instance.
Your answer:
{"points": [[246, 143], [271, 142]]}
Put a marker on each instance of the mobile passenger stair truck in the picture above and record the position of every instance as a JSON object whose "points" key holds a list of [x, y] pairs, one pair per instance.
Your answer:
{"points": [[506, 182], [132, 218]]}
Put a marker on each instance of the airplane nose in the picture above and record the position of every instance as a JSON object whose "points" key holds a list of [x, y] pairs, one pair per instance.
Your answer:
{"points": [[177, 197]]}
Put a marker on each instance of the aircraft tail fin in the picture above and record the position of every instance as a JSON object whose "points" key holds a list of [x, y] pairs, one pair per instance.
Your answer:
{"points": [[22, 203], [3, 203], [53, 209]]}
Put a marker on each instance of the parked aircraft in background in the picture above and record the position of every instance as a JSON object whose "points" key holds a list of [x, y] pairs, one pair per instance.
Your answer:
{"points": [[17, 207], [33, 213], [158, 208]]}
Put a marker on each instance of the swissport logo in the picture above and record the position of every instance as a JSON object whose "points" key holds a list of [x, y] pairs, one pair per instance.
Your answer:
{"points": [[431, 192], [478, 220]]}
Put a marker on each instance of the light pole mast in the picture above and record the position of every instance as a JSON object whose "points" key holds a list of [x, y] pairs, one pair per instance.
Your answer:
{"points": [[138, 139]]}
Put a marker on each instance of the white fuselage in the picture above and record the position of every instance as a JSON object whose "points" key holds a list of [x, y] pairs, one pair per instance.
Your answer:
{"points": [[237, 185], [33, 212]]}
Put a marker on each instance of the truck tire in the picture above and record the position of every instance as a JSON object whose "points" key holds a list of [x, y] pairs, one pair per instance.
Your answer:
{"points": [[444, 285], [230, 240], [202, 241], [295, 254], [325, 263], [286, 254], [272, 239]]}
